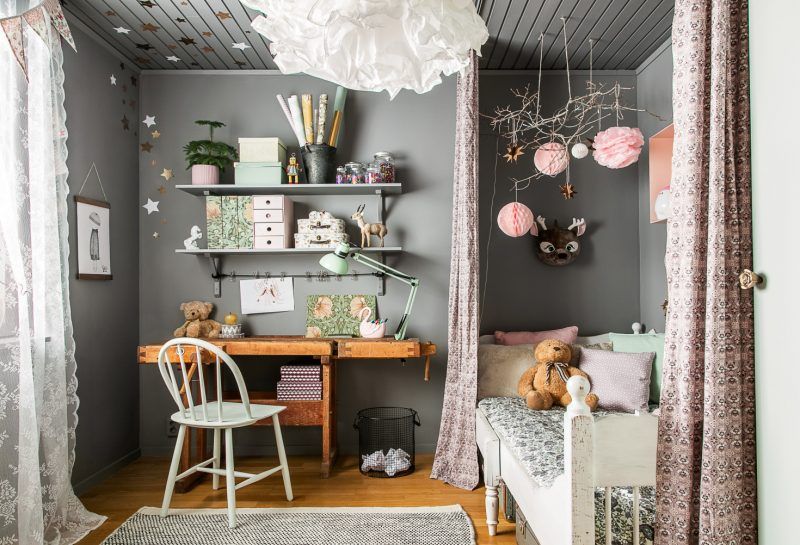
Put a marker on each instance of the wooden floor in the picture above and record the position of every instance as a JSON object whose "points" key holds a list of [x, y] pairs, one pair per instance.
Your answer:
{"points": [[142, 484]]}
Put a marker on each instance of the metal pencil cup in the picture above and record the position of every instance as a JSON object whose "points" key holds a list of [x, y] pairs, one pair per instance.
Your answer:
{"points": [[319, 162]]}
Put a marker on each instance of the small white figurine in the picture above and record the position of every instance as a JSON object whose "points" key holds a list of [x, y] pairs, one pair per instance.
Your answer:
{"points": [[368, 229], [191, 242]]}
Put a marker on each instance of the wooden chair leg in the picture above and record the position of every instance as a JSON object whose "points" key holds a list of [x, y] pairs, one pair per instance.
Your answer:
{"points": [[287, 482], [492, 509], [230, 481], [173, 471], [216, 463]]}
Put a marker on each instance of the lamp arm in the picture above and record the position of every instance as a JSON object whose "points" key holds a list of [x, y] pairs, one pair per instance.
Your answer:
{"points": [[382, 267], [412, 281]]}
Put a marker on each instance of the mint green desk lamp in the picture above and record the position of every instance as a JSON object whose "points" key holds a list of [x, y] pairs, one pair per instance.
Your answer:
{"points": [[336, 262]]}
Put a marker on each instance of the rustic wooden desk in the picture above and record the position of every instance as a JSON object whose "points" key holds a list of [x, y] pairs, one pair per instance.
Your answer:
{"points": [[298, 413]]}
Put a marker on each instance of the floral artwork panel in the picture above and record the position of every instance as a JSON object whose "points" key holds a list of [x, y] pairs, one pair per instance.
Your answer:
{"points": [[336, 315]]}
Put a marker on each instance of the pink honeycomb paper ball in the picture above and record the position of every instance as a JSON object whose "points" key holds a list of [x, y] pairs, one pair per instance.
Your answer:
{"points": [[618, 147], [515, 219], [551, 158]]}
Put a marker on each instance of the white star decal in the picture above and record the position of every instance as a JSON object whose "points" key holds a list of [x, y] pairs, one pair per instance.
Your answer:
{"points": [[149, 120], [113, 79], [241, 45], [122, 30], [151, 206], [173, 58]]}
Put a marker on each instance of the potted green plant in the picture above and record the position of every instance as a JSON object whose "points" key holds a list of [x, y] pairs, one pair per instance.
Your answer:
{"points": [[207, 157]]}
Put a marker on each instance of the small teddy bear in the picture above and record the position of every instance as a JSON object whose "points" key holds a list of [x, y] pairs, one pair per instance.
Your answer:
{"points": [[197, 323], [545, 383]]}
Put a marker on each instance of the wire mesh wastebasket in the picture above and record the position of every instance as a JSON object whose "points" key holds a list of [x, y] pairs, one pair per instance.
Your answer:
{"points": [[386, 441]]}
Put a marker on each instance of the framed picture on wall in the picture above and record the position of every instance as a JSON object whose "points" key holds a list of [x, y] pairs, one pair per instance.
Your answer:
{"points": [[94, 238]]}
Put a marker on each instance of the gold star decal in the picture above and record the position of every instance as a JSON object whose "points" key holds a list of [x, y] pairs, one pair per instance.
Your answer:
{"points": [[222, 15], [126, 124], [149, 27], [568, 190], [207, 34], [147, 146], [187, 41], [155, 134], [111, 13], [513, 153], [162, 189], [207, 49], [166, 174], [163, 221]]}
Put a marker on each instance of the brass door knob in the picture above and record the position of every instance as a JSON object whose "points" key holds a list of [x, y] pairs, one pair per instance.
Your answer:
{"points": [[748, 279]]}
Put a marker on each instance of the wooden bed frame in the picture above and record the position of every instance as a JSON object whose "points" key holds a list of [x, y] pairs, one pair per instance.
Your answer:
{"points": [[613, 450]]}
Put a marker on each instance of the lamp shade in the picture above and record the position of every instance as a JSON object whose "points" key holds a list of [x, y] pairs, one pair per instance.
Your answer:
{"points": [[336, 261], [375, 45]]}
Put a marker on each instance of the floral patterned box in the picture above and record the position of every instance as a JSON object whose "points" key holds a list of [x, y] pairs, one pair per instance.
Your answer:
{"points": [[214, 222], [336, 315], [244, 219], [230, 223]]}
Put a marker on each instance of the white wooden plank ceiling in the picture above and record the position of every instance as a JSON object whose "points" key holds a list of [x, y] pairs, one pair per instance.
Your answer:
{"points": [[216, 34]]}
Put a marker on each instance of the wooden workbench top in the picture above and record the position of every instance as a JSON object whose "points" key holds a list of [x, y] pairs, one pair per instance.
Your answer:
{"points": [[292, 345]]}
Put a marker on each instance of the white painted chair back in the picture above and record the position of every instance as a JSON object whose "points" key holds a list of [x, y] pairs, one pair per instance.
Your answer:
{"points": [[190, 351]]}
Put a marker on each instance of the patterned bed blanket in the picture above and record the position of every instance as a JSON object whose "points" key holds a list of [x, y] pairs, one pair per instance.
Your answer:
{"points": [[520, 427]]}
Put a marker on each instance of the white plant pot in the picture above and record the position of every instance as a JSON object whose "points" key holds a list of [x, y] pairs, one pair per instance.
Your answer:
{"points": [[205, 175]]}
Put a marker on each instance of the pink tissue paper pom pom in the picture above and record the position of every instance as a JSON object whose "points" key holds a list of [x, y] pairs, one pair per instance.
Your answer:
{"points": [[618, 147], [515, 219], [551, 158]]}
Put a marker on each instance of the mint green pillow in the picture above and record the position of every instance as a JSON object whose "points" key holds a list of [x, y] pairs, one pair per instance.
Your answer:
{"points": [[645, 342]]}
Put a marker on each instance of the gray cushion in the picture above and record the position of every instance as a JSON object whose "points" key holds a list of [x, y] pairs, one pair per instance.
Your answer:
{"points": [[500, 368], [620, 380]]}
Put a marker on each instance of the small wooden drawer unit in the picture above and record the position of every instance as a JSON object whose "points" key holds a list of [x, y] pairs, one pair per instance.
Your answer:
{"points": [[273, 218]]}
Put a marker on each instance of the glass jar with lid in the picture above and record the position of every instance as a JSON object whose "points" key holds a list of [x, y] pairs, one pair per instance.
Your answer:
{"points": [[341, 177], [373, 174], [354, 172], [385, 163]]}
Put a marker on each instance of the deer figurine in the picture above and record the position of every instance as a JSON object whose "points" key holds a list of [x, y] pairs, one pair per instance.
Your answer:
{"points": [[557, 246], [368, 230]]}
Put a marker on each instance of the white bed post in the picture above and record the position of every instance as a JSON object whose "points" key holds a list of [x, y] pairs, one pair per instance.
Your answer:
{"points": [[492, 509], [579, 463]]}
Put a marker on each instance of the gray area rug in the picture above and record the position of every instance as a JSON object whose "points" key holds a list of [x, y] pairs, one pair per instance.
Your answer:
{"points": [[448, 525]]}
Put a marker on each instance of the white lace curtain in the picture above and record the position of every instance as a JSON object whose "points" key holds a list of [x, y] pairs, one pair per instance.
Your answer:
{"points": [[38, 400]]}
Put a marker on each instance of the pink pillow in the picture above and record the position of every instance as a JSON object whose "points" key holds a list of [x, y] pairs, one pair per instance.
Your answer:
{"points": [[512, 338]]}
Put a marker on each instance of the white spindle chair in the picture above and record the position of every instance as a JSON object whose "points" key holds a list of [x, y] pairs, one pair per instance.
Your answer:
{"points": [[216, 415]]}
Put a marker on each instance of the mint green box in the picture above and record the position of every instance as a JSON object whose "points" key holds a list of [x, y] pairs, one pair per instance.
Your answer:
{"points": [[245, 222], [259, 174], [214, 222]]}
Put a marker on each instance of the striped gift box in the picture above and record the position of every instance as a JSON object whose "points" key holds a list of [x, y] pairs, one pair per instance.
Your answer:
{"points": [[293, 389], [301, 373]]}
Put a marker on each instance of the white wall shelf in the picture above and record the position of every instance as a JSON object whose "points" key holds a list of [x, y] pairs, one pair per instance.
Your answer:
{"points": [[293, 189], [282, 251]]}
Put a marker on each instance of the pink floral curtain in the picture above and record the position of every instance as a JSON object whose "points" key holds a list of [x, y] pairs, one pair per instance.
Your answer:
{"points": [[456, 460], [706, 480]]}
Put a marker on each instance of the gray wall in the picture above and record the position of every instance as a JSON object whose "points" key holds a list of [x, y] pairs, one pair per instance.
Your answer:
{"points": [[418, 128], [654, 94], [599, 291], [105, 314]]}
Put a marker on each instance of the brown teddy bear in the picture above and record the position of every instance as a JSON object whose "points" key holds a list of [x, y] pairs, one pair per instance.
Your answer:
{"points": [[197, 323], [545, 383]]}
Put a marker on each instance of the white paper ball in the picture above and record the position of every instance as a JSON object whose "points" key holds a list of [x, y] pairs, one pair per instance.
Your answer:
{"points": [[580, 150], [662, 206]]}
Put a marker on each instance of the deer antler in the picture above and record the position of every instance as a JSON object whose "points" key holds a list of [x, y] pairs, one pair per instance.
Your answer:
{"points": [[580, 224], [541, 221]]}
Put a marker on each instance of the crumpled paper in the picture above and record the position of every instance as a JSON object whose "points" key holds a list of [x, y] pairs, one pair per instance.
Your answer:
{"points": [[393, 462], [371, 45]]}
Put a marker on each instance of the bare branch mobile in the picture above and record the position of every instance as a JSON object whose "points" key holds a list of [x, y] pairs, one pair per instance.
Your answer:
{"points": [[524, 127]]}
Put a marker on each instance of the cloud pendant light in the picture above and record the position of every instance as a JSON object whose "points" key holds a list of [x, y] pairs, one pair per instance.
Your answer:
{"points": [[371, 45]]}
